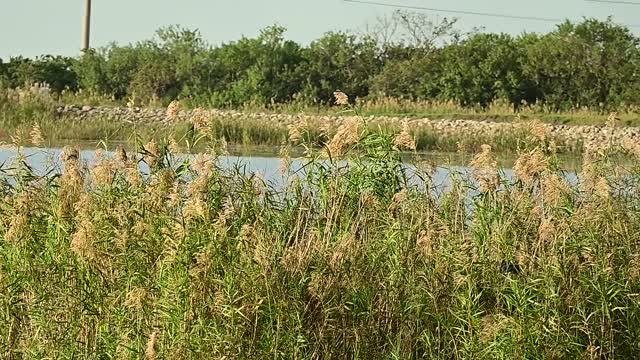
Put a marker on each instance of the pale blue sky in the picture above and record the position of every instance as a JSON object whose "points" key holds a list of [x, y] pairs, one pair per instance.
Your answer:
{"points": [[34, 27]]}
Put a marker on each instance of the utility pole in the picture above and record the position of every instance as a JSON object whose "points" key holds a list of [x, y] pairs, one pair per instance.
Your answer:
{"points": [[87, 26]]}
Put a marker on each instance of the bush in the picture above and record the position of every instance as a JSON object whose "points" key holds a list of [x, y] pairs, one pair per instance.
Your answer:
{"points": [[55, 71], [592, 64]]}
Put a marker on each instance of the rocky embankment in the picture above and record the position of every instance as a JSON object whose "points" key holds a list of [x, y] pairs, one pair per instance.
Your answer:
{"points": [[567, 134]]}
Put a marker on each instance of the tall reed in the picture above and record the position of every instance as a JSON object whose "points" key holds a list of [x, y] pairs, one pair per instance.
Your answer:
{"points": [[354, 256]]}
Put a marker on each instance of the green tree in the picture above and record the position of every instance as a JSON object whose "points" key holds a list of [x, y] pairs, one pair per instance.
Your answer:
{"points": [[594, 63], [260, 70], [187, 52], [339, 61], [415, 78], [483, 68], [56, 71], [91, 72]]}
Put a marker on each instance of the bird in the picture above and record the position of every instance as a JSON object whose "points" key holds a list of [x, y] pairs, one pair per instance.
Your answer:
{"points": [[510, 268]]}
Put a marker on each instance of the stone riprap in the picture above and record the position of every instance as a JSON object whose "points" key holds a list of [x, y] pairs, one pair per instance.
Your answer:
{"points": [[570, 135]]}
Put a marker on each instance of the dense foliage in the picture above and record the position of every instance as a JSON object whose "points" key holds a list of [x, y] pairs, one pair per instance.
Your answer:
{"points": [[366, 261], [591, 64]]}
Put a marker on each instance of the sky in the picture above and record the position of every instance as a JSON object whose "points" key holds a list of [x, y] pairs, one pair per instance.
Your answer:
{"points": [[35, 27]]}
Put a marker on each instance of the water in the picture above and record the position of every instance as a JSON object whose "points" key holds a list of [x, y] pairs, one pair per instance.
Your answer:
{"points": [[48, 162]]}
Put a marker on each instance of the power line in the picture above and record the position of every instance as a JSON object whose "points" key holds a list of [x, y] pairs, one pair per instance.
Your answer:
{"points": [[495, 15], [617, 2], [614, 2], [462, 12]]}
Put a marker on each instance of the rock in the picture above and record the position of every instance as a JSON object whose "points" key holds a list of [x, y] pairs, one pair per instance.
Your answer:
{"points": [[444, 126]]}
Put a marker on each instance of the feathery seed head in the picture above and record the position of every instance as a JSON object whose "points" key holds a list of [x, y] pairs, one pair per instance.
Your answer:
{"points": [[131, 103], [546, 231], [295, 131], [602, 189], [18, 228], [538, 131], [554, 189], [425, 242], [82, 241], [103, 171], [398, 200], [152, 153], [135, 298], [174, 147], [195, 208], [285, 159], [70, 154], [202, 165], [172, 110], [613, 120], [404, 140], [485, 169], [37, 139], [347, 135], [121, 155], [530, 165], [228, 210], [150, 350], [340, 98], [200, 119]]}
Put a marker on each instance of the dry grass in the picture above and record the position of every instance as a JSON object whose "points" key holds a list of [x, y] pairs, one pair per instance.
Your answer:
{"points": [[347, 259]]}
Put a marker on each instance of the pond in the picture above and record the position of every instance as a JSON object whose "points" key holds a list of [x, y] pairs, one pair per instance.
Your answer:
{"points": [[266, 163]]}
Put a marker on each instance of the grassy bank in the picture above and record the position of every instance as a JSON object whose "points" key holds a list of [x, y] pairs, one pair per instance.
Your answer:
{"points": [[17, 120], [497, 111], [344, 262]]}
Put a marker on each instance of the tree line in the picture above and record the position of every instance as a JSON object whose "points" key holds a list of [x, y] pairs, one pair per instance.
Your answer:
{"points": [[593, 63]]}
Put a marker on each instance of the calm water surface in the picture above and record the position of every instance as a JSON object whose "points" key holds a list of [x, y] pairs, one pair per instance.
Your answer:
{"points": [[47, 161]]}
